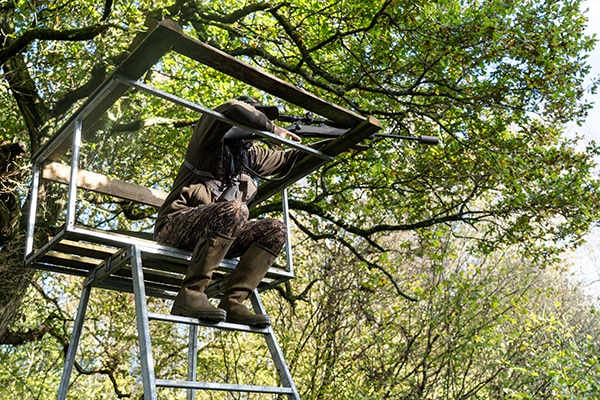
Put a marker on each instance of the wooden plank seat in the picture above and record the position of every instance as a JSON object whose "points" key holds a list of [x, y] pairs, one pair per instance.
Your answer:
{"points": [[102, 256], [164, 266]]}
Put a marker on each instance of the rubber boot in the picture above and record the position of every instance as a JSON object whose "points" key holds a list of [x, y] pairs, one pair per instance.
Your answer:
{"points": [[246, 276], [191, 301]]}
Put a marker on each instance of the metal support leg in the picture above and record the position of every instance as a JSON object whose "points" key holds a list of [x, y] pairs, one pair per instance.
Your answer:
{"points": [[74, 343], [275, 350], [192, 359], [143, 327]]}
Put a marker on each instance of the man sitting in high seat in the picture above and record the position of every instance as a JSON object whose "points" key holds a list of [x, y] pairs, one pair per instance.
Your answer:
{"points": [[207, 212]]}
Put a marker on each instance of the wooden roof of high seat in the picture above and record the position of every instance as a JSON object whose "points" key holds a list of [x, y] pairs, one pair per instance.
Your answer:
{"points": [[167, 36]]}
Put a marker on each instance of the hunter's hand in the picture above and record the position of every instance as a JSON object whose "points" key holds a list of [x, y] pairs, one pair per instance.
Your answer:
{"points": [[284, 133]]}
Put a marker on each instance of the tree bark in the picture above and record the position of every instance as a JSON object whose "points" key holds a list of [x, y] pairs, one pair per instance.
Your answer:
{"points": [[14, 278]]}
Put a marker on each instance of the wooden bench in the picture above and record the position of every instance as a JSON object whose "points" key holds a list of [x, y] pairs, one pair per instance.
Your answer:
{"points": [[97, 254]]}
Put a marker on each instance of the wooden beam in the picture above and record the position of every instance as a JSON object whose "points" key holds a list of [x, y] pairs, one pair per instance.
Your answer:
{"points": [[238, 69], [102, 184]]}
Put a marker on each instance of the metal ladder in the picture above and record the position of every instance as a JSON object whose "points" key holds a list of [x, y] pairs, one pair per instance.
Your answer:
{"points": [[133, 256]]}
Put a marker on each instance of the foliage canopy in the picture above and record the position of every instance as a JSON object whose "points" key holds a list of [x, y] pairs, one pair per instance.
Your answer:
{"points": [[472, 228]]}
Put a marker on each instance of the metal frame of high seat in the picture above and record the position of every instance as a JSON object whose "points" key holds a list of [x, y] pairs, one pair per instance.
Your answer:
{"points": [[132, 264]]}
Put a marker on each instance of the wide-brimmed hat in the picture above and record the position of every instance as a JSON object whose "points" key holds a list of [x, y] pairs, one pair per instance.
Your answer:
{"points": [[270, 111]]}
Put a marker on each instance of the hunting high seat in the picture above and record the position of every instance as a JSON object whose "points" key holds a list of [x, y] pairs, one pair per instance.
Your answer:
{"points": [[132, 262]]}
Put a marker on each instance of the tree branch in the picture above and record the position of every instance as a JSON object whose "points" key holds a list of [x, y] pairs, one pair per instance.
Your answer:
{"points": [[21, 43], [31, 335], [313, 209], [47, 327], [237, 15], [137, 125], [66, 101], [356, 253], [371, 265]]}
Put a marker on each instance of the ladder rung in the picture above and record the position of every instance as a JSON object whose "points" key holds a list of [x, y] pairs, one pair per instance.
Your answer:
{"points": [[222, 386], [194, 321]]}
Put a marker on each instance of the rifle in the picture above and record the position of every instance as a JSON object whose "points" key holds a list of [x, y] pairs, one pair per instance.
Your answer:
{"points": [[309, 126]]}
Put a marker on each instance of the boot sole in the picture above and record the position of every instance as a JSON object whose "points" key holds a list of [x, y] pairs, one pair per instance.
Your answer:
{"points": [[257, 322], [211, 316]]}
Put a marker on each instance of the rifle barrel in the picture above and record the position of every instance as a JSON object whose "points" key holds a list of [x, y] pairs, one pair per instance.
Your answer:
{"points": [[424, 139], [330, 132]]}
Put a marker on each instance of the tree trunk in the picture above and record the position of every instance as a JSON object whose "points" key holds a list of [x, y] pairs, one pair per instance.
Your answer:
{"points": [[14, 278]]}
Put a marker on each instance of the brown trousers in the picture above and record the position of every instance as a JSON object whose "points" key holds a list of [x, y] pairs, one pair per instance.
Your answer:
{"points": [[229, 218]]}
